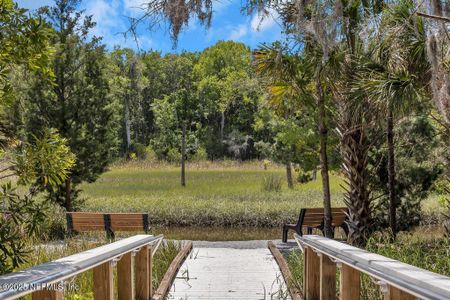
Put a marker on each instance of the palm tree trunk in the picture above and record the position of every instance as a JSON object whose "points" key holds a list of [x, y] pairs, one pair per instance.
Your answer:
{"points": [[323, 136], [391, 174], [183, 155], [289, 175]]}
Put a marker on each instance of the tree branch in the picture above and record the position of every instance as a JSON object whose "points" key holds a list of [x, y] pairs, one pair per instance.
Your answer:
{"points": [[440, 18]]}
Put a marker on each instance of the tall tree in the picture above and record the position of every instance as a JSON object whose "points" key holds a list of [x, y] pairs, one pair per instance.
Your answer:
{"points": [[178, 112], [24, 45], [224, 80], [76, 102], [395, 79], [126, 85]]}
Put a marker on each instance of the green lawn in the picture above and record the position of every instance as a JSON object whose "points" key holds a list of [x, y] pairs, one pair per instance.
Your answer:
{"points": [[218, 194]]}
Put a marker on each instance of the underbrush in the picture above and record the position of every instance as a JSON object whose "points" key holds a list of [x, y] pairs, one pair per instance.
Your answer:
{"points": [[421, 249], [82, 283]]}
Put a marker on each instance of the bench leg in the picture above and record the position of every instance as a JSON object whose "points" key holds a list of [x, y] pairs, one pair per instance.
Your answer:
{"points": [[285, 233], [110, 235]]}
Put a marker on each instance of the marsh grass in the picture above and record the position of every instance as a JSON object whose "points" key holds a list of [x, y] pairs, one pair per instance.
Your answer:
{"points": [[272, 183], [48, 252], [217, 194], [426, 248]]}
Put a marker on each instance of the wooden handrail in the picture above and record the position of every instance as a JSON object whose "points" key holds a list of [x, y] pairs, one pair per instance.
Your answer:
{"points": [[397, 280], [35, 280]]}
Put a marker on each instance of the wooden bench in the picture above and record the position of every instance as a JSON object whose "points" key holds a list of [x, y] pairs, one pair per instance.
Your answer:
{"points": [[108, 222], [311, 218]]}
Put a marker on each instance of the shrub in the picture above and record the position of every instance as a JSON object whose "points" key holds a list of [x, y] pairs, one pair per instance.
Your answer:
{"points": [[200, 154], [173, 155], [272, 183], [303, 177], [140, 150], [150, 154]]}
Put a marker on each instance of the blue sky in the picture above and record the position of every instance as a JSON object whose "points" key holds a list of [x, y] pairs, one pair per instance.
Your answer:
{"points": [[228, 23]]}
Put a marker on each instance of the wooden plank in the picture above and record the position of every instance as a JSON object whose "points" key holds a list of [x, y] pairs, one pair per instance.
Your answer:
{"points": [[125, 284], [103, 282], [312, 275], [349, 283], [229, 273], [327, 278], [394, 293], [142, 274], [150, 271], [418, 282], [169, 276], [285, 271], [47, 295]]}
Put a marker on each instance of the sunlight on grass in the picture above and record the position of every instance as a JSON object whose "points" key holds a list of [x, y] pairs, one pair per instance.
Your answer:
{"points": [[218, 195]]}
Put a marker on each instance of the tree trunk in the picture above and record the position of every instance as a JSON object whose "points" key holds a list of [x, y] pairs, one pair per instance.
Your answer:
{"points": [[289, 175], [354, 151], [127, 124], [68, 194], [222, 125], [183, 155], [314, 174], [323, 134], [391, 174]]}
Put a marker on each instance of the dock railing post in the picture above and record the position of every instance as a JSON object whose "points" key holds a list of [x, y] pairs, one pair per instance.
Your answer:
{"points": [[47, 295], [327, 278], [311, 275], [150, 271], [103, 281], [125, 285], [394, 293], [349, 283], [143, 274]]}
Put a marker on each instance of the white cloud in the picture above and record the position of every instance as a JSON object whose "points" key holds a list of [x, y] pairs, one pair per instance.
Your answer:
{"points": [[262, 22], [220, 5], [238, 32], [134, 6]]}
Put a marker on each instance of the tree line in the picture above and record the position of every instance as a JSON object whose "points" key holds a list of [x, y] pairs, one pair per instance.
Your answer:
{"points": [[358, 88]]}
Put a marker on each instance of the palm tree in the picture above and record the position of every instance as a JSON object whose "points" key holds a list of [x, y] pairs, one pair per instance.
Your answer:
{"points": [[395, 80], [288, 77]]}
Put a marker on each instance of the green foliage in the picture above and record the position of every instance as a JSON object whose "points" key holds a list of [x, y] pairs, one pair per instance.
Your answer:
{"points": [[417, 171], [229, 92], [302, 176], [41, 165], [76, 103], [199, 155], [24, 42], [48, 159], [173, 155], [139, 150]]}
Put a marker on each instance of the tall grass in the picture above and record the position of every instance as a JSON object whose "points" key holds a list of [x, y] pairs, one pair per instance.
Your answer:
{"points": [[218, 194], [272, 183]]}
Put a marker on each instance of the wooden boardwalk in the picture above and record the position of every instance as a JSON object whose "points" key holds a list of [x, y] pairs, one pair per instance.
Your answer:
{"points": [[229, 273]]}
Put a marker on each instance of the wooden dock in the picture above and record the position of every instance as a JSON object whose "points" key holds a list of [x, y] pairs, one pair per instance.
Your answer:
{"points": [[229, 271]]}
